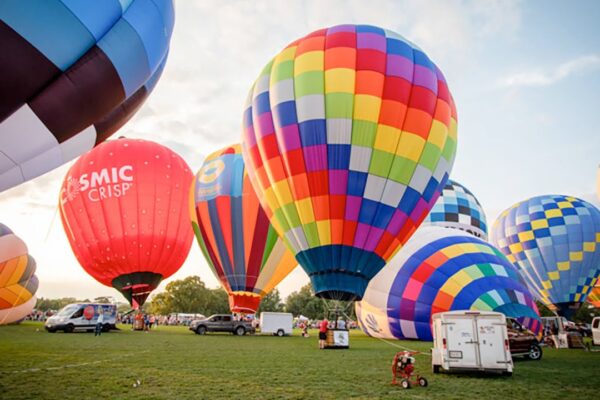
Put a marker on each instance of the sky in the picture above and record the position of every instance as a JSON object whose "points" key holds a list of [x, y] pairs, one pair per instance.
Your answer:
{"points": [[525, 77]]}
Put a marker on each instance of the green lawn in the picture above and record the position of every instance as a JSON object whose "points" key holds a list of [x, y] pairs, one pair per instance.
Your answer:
{"points": [[174, 363]]}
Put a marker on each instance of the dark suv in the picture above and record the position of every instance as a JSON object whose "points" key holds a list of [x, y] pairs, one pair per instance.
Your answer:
{"points": [[522, 341]]}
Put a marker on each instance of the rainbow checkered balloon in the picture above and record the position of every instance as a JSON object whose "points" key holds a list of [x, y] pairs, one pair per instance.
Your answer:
{"points": [[349, 137], [554, 240], [458, 208], [442, 270]]}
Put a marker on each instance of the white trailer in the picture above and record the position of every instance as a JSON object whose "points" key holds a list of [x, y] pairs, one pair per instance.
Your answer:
{"points": [[596, 331], [471, 341], [276, 323]]}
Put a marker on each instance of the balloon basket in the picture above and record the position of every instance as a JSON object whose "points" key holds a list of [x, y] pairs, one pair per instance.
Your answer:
{"points": [[138, 325], [337, 339]]}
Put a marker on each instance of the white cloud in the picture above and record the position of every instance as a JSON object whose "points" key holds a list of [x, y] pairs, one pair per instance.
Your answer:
{"points": [[547, 77]]}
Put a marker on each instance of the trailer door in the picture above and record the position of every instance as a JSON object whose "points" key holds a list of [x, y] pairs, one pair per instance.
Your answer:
{"points": [[462, 352], [490, 336]]}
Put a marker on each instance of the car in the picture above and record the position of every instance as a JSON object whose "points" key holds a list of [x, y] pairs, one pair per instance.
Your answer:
{"points": [[522, 342], [221, 323]]}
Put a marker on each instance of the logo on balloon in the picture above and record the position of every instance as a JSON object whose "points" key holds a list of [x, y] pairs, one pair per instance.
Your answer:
{"points": [[208, 174], [211, 171], [99, 185], [88, 312]]}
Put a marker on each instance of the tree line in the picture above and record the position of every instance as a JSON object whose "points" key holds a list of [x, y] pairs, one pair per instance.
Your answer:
{"points": [[190, 295]]}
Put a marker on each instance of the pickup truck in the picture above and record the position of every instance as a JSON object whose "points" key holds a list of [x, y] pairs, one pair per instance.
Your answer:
{"points": [[221, 323]]}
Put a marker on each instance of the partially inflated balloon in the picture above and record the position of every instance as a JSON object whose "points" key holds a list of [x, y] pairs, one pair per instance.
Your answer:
{"points": [[124, 209], [458, 208], [594, 296], [349, 136], [18, 283], [72, 74], [234, 233], [442, 270], [554, 240]]}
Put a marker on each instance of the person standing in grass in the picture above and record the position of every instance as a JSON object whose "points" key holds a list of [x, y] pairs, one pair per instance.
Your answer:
{"points": [[323, 333], [99, 321]]}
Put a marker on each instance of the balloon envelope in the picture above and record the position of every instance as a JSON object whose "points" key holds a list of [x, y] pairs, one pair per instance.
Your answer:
{"points": [[554, 240], [124, 209], [242, 248], [349, 136], [594, 296], [73, 73], [18, 282], [458, 208], [438, 270]]}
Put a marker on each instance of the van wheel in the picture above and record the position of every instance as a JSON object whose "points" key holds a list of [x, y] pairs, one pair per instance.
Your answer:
{"points": [[69, 328], [535, 352], [105, 328], [240, 331], [436, 369], [507, 373], [280, 333]]}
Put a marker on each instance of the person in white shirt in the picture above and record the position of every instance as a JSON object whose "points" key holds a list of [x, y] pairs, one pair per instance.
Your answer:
{"points": [[100, 321]]}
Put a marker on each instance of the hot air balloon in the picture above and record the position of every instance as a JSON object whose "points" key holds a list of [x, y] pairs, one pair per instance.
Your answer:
{"points": [[594, 296], [458, 208], [72, 74], [442, 270], [554, 241], [124, 209], [349, 136], [18, 283], [242, 248]]}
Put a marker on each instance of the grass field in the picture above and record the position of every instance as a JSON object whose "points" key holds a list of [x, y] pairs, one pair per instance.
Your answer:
{"points": [[174, 363]]}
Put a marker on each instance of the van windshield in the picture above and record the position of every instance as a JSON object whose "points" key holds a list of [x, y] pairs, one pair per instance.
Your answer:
{"points": [[68, 310]]}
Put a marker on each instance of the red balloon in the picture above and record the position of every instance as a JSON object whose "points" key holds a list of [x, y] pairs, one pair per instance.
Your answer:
{"points": [[88, 312], [124, 208]]}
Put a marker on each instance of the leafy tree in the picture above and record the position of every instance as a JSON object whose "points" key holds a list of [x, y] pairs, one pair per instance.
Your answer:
{"points": [[103, 300], [305, 303], [43, 304], [271, 302], [189, 295], [585, 314]]}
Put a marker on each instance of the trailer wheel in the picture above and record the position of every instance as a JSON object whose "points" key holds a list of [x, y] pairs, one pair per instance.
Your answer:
{"points": [[405, 384], [507, 373], [280, 333], [422, 382], [436, 369]]}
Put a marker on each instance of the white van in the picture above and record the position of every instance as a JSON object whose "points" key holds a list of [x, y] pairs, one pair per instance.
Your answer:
{"points": [[471, 340], [82, 317], [276, 323], [596, 331]]}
